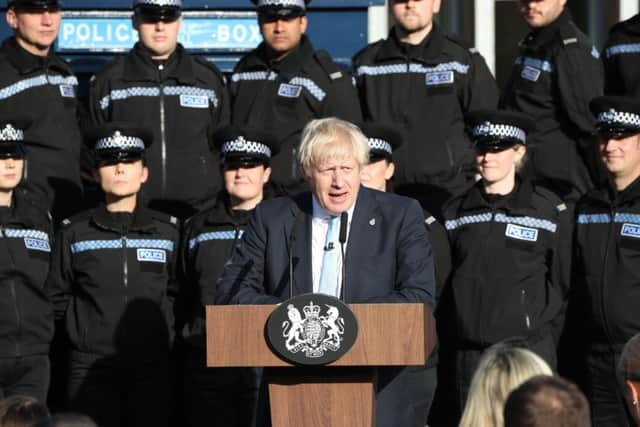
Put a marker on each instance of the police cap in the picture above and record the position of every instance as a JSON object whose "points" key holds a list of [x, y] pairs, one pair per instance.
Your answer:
{"points": [[34, 5], [496, 130], [383, 140], [245, 146], [616, 115], [157, 10], [116, 142], [12, 138], [274, 9]]}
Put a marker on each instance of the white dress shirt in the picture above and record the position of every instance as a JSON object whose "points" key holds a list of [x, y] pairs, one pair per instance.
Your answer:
{"points": [[319, 226]]}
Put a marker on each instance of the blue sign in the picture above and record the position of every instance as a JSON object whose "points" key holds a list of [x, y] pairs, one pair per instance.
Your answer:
{"points": [[116, 34]]}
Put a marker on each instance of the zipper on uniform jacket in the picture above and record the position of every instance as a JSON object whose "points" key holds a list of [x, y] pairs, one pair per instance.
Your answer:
{"points": [[14, 294], [163, 136], [523, 302], [603, 315], [125, 268]]}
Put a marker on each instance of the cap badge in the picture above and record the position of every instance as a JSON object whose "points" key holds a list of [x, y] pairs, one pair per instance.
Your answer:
{"points": [[9, 133]]}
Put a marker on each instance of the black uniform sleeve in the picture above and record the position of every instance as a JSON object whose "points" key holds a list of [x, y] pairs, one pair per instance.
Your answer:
{"points": [[98, 89], [482, 91], [342, 98], [580, 79], [185, 276], [60, 280], [561, 266], [441, 253]]}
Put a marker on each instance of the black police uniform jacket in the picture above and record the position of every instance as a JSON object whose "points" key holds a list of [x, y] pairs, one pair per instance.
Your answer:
{"points": [[43, 90], [425, 90], [607, 267], [283, 96], [183, 100], [26, 315], [510, 263], [555, 75], [208, 240], [115, 282], [621, 57]]}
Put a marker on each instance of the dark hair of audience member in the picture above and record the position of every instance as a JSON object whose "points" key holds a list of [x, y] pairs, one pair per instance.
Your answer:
{"points": [[545, 401], [22, 411], [629, 376], [68, 419]]}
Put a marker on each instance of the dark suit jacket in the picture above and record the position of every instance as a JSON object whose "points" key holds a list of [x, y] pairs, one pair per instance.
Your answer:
{"points": [[388, 259]]}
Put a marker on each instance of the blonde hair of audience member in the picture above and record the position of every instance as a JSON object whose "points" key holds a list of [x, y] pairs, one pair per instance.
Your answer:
{"points": [[22, 411], [629, 376], [502, 368], [331, 138]]}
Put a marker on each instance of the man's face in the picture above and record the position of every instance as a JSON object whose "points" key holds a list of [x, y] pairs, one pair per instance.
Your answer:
{"points": [[122, 179], [335, 182], [35, 31], [245, 183], [540, 13], [376, 174], [414, 15], [10, 173], [282, 35], [160, 37], [621, 156]]}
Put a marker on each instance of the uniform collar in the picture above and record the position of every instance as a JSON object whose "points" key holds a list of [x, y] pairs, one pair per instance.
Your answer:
{"points": [[142, 219], [518, 200], [428, 50], [542, 36], [221, 212], [290, 64], [25, 62], [140, 67]]}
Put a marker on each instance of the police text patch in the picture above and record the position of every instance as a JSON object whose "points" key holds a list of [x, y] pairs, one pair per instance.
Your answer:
{"points": [[630, 230], [37, 244], [67, 91], [530, 73], [521, 233], [289, 91], [194, 101], [439, 78], [152, 255]]}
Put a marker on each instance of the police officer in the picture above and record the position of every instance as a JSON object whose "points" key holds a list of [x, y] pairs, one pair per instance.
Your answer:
{"points": [[425, 80], [229, 394], [284, 83], [622, 58], [112, 278], [26, 315], [384, 140], [511, 245], [604, 302], [555, 75], [180, 97], [38, 85]]}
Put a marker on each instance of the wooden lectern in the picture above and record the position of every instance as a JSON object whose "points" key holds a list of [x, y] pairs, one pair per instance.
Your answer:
{"points": [[338, 394]]}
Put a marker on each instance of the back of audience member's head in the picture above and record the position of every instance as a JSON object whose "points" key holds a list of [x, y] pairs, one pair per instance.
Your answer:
{"points": [[629, 376], [502, 368], [545, 401], [68, 419], [22, 411]]}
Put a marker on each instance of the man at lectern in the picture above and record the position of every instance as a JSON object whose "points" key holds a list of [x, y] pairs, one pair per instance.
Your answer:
{"points": [[387, 253]]}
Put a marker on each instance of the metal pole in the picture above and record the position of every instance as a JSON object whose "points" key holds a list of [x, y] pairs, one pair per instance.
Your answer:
{"points": [[455, 16], [485, 30], [628, 8], [597, 22]]}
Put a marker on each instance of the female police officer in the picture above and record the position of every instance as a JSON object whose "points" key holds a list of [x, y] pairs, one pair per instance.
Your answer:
{"points": [[509, 250]]}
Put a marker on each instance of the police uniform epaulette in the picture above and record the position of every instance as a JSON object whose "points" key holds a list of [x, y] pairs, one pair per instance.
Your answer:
{"points": [[368, 49], [166, 218], [551, 196], [79, 217], [331, 68], [209, 65], [107, 68]]}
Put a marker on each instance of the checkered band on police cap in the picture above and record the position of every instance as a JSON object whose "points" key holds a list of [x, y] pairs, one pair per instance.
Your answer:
{"points": [[613, 117], [9, 133], [118, 141], [380, 145], [159, 3], [241, 145], [498, 131], [283, 3]]}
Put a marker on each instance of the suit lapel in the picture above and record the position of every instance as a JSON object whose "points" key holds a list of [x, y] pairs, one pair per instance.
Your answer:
{"points": [[301, 245], [365, 223]]}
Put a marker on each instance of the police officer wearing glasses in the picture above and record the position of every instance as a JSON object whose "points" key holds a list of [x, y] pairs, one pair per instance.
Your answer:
{"points": [[284, 83], [180, 97], [38, 85]]}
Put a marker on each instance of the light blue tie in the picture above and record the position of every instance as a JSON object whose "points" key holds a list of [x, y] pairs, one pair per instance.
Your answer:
{"points": [[329, 271]]}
